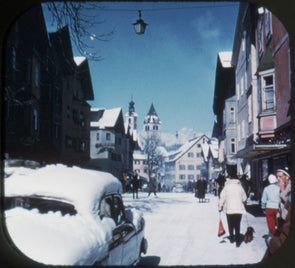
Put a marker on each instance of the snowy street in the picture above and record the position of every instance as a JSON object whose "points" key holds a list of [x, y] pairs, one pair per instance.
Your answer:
{"points": [[182, 231]]}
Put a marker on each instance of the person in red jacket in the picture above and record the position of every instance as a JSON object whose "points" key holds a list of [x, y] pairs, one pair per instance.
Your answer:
{"points": [[284, 214]]}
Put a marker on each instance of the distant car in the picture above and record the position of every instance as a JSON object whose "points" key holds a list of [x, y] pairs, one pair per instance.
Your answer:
{"points": [[59, 215], [178, 188]]}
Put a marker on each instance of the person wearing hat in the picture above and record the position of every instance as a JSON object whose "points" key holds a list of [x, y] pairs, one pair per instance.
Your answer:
{"points": [[232, 201], [270, 202], [153, 185], [284, 213]]}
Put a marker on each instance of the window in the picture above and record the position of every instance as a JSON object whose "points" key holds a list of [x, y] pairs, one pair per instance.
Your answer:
{"points": [[36, 78], [146, 128], [83, 146], [57, 131], [242, 86], [248, 49], [232, 118], [69, 142], [105, 207], [198, 167], [118, 210], [181, 167], [191, 177], [41, 203], [233, 145], [198, 154], [182, 177], [250, 109], [190, 155], [108, 136], [243, 129], [191, 167], [13, 57], [155, 127], [82, 119], [35, 119], [267, 93], [97, 136]]}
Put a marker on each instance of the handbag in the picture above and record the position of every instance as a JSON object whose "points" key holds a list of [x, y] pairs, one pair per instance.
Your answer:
{"points": [[221, 230]]}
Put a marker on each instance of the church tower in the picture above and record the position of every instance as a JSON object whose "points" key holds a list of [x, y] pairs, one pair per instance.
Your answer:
{"points": [[131, 117], [152, 123]]}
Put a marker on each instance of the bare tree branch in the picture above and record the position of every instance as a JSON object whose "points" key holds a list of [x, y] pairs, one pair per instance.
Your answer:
{"points": [[81, 19]]}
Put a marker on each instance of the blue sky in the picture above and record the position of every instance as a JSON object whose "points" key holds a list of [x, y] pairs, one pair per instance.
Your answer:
{"points": [[172, 65]]}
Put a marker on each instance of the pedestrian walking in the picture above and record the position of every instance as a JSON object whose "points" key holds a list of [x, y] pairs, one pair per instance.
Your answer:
{"points": [[135, 184], [232, 199], [284, 213], [220, 181], [246, 183], [159, 187], [270, 202], [201, 189], [153, 185]]}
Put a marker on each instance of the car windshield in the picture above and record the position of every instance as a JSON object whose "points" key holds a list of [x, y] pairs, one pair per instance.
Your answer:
{"points": [[43, 204]]}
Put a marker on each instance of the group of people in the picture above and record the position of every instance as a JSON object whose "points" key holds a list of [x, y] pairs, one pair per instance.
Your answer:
{"points": [[275, 201], [201, 189], [136, 184]]}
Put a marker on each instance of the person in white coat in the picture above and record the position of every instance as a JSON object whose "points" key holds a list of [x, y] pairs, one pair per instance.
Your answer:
{"points": [[232, 199], [270, 202]]}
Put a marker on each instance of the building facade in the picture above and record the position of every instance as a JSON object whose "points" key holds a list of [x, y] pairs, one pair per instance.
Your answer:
{"points": [[261, 60], [110, 146], [46, 113], [187, 164], [76, 89]]}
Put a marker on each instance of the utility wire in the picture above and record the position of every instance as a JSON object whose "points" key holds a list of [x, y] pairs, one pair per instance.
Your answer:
{"points": [[165, 8]]}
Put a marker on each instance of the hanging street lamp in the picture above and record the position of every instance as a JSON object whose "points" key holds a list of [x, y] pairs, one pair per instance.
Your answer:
{"points": [[139, 25]]}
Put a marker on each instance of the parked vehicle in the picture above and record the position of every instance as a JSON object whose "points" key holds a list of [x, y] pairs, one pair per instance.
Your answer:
{"points": [[178, 188], [59, 215]]}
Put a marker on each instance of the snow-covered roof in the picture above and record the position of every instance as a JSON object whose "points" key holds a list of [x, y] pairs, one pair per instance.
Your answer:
{"points": [[173, 156], [225, 58], [162, 151], [108, 118], [210, 147], [76, 185], [139, 156], [205, 149]]}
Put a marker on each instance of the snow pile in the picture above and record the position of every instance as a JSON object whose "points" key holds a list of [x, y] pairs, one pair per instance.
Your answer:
{"points": [[182, 231], [51, 238], [82, 187], [55, 239]]}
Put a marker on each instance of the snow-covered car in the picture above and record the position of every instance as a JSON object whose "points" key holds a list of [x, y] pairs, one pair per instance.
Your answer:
{"points": [[178, 188], [61, 215]]}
